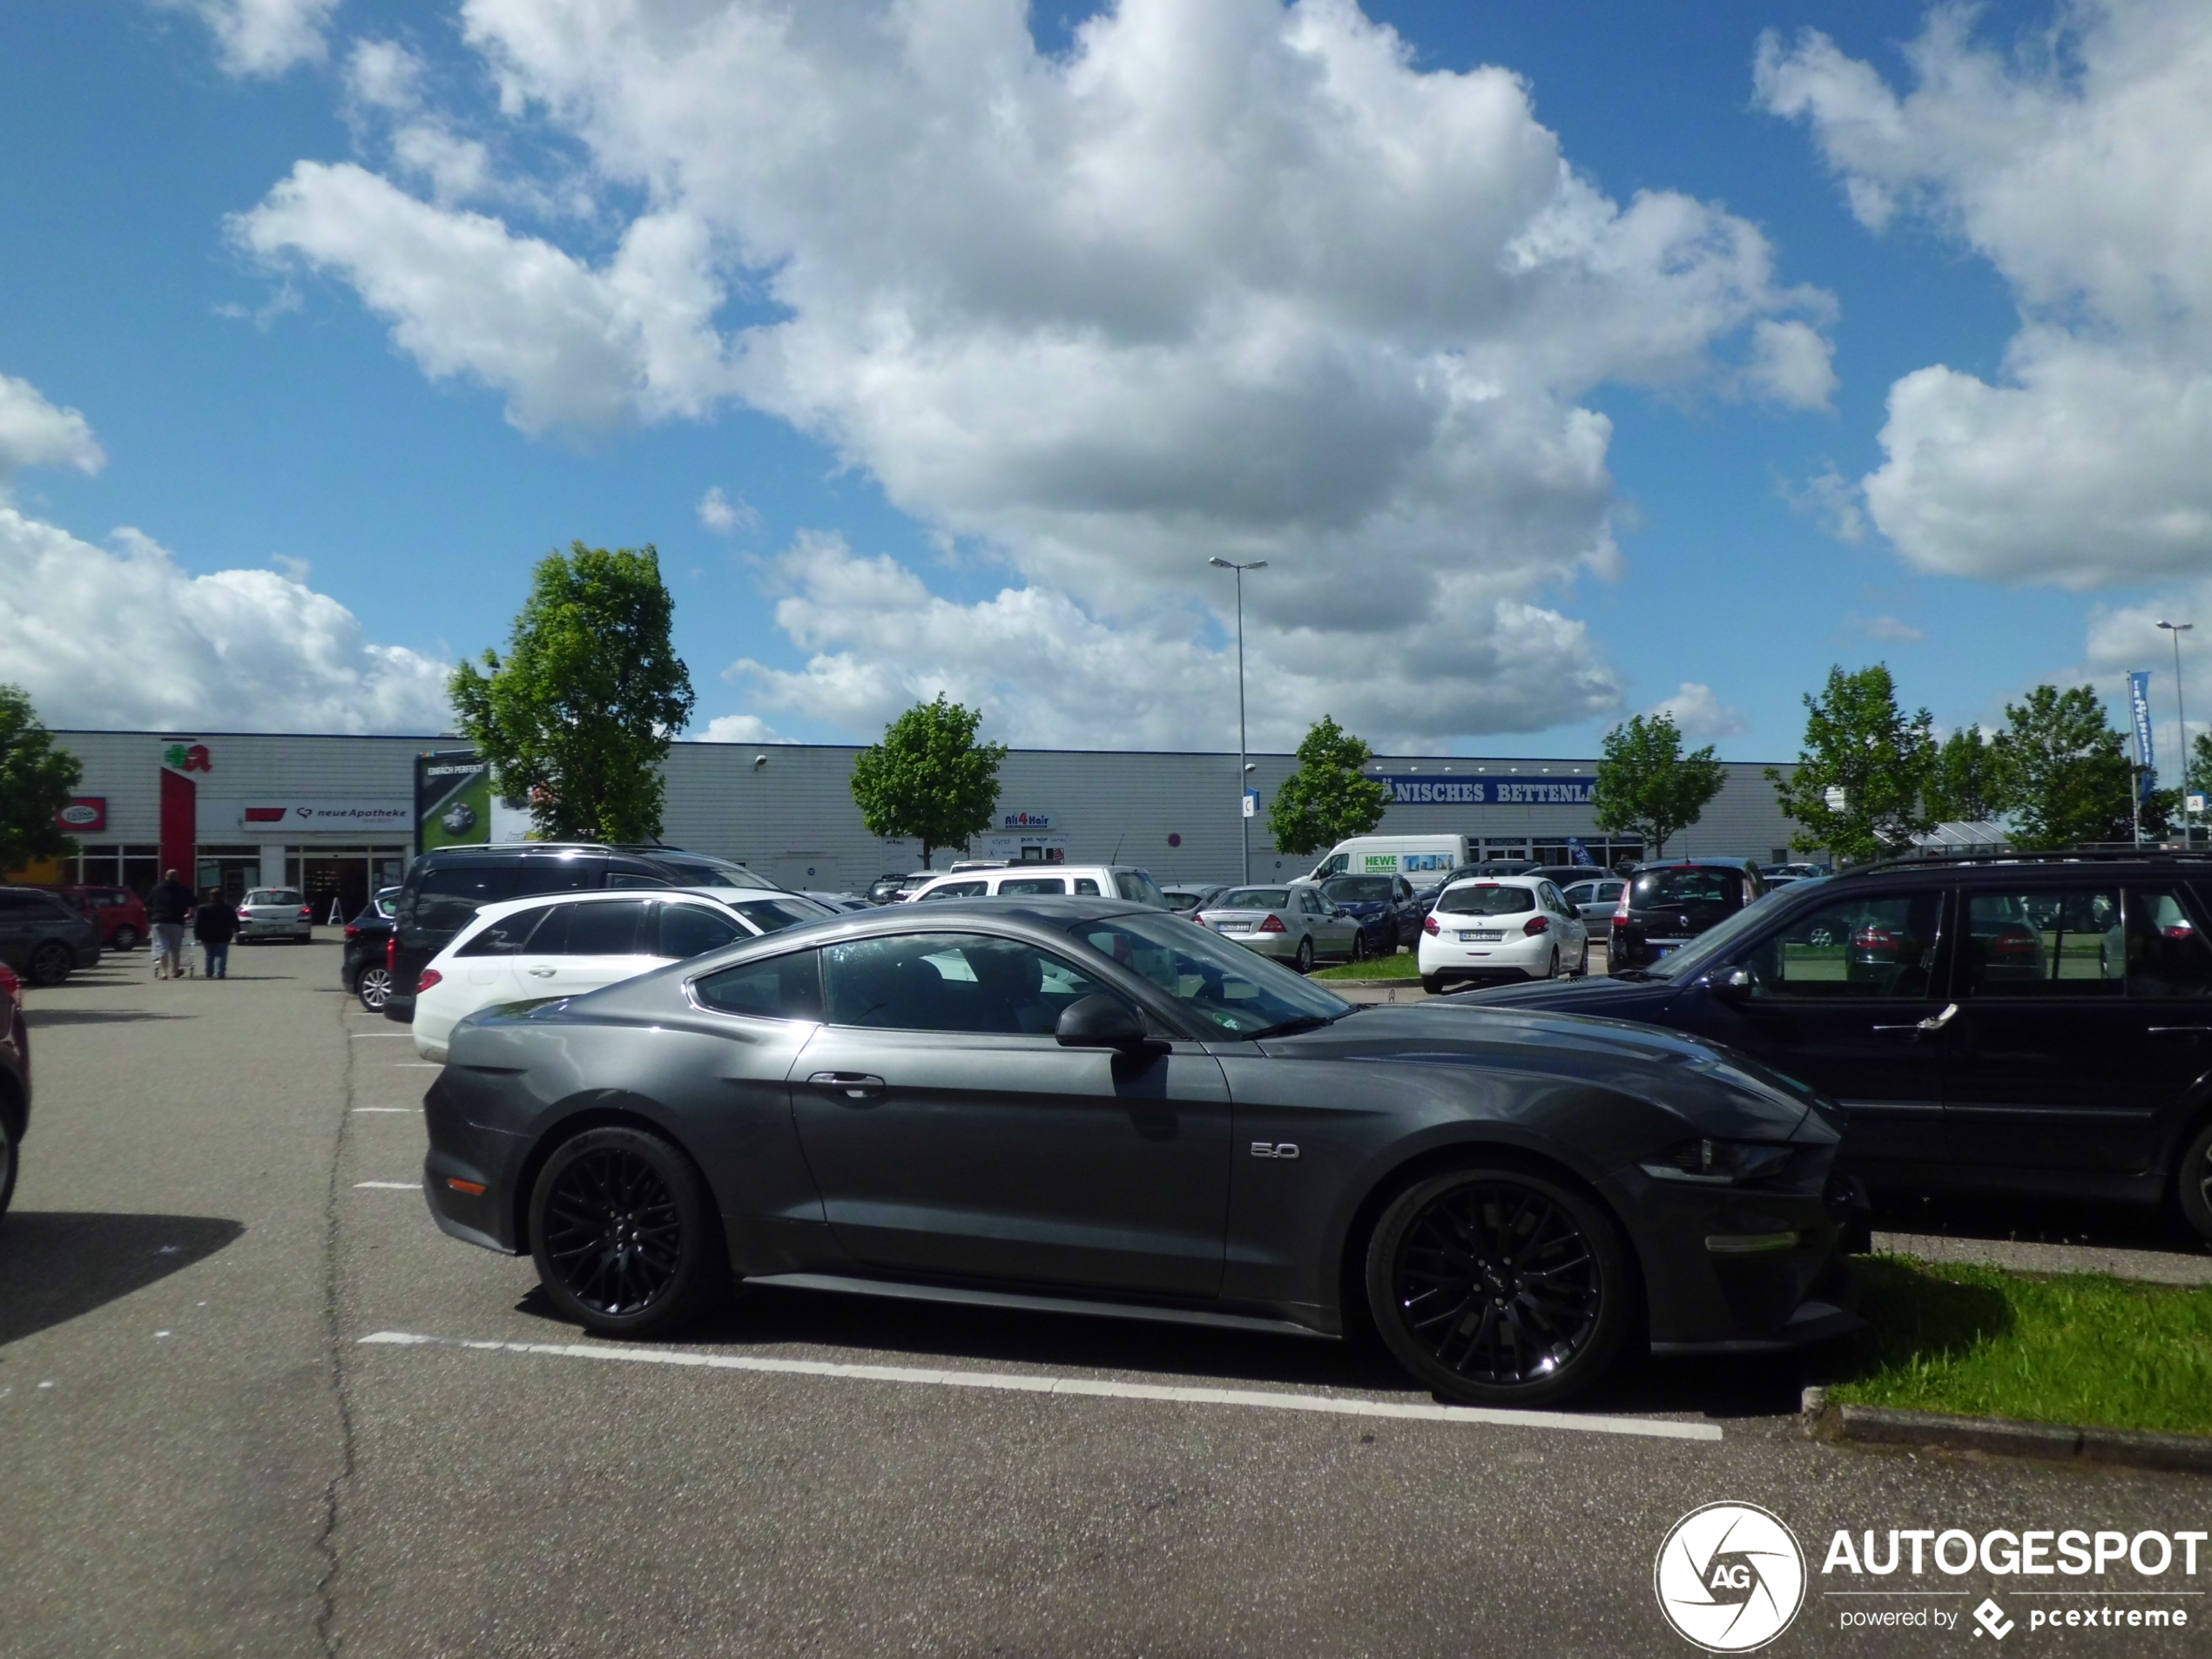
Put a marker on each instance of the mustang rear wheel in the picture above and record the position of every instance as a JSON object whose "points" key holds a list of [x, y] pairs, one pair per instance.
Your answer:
{"points": [[624, 1234], [2193, 1186], [1499, 1286]]}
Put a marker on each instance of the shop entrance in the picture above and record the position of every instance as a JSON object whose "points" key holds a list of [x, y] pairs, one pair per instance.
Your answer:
{"points": [[339, 880], [230, 869]]}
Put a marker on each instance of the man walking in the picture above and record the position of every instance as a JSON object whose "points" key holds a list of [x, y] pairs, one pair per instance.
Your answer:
{"points": [[169, 911], [215, 924]]}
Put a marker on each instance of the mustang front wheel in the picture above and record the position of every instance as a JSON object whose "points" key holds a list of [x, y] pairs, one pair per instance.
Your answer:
{"points": [[1499, 1286], [624, 1234]]}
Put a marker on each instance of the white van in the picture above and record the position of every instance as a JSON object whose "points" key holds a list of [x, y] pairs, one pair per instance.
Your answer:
{"points": [[1420, 858]]}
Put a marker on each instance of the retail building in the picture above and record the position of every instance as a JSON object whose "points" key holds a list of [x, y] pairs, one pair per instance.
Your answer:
{"points": [[336, 816]]}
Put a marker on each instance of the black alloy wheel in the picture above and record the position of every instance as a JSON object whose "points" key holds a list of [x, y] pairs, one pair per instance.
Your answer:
{"points": [[1304, 963], [49, 964], [1499, 1286], [2193, 1186], [374, 987], [625, 1238], [126, 938], [1359, 952]]}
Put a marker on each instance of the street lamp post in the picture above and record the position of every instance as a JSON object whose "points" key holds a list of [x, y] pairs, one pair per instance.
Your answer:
{"points": [[1244, 768], [2177, 629]]}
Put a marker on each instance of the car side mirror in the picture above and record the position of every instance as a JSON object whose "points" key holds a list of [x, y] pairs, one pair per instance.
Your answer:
{"points": [[1100, 1022], [1730, 984]]}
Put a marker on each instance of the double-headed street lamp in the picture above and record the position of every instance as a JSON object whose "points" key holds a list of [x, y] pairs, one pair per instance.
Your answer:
{"points": [[2177, 629], [1243, 766]]}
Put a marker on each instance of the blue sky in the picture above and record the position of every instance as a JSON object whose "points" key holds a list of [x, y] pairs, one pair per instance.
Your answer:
{"points": [[351, 403]]}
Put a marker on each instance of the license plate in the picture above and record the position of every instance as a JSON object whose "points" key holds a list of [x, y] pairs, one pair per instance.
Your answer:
{"points": [[1226, 928], [1479, 937]]}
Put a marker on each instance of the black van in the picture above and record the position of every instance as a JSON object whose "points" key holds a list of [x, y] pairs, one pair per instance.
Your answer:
{"points": [[445, 889]]}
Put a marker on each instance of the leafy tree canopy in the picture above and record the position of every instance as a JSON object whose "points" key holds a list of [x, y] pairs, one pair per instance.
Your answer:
{"points": [[1966, 782], [1328, 797], [1646, 784], [2067, 777], [577, 718], [1859, 741], [37, 780], [930, 780]]}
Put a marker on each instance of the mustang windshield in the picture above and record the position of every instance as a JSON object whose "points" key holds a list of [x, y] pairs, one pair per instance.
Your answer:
{"points": [[1222, 985]]}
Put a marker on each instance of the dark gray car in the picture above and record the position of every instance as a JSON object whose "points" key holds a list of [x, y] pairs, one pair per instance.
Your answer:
{"points": [[42, 937], [1068, 1103]]}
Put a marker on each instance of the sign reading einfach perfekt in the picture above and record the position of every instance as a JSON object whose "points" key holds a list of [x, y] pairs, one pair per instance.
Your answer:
{"points": [[1487, 790]]}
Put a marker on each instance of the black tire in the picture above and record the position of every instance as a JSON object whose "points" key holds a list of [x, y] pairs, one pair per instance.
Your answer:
{"points": [[1499, 1286], [1551, 969], [1432, 983], [1304, 961], [373, 985], [2193, 1181], [1359, 945], [49, 964], [1582, 963], [625, 1236], [126, 938], [7, 1164]]}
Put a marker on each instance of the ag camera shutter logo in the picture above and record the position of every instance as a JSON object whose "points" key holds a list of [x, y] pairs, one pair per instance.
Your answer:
{"points": [[1729, 1577]]}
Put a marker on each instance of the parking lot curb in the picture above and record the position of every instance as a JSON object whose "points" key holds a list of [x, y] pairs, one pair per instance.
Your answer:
{"points": [[1847, 1424]]}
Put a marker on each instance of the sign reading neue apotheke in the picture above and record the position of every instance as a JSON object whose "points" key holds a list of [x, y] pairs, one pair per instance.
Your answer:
{"points": [[376, 817], [1487, 790]]}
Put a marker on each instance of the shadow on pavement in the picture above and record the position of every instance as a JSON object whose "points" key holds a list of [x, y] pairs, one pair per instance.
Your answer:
{"points": [[36, 1018], [55, 1265]]}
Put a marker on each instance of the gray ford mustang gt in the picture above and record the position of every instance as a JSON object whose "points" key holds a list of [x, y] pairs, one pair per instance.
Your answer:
{"points": [[1083, 1106]]}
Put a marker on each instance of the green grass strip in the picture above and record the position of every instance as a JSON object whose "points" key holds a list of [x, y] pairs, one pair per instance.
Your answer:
{"points": [[1404, 965], [2081, 1348]]}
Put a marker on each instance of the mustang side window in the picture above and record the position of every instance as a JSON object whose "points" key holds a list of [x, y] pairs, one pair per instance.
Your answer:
{"points": [[2168, 957], [782, 987], [968, 982], [1882, 945], [2057, 942]]}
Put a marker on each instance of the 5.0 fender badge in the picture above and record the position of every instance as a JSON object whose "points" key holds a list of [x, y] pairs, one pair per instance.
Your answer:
{"points": [[1274, 1149]]}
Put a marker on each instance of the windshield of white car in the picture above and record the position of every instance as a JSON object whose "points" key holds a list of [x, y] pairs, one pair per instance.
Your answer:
{"points": [[1253, 899], [1487, 901], [1223, 988]]}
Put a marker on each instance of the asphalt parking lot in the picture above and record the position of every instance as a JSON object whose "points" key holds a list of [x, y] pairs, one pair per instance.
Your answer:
{"points": [[238, 1416]]}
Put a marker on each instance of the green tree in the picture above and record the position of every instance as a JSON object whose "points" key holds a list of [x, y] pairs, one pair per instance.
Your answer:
{"points": [[577, 720], [929, 780], [1859, 741], [1967, 782], [37, 780], [1647, 786], [2067, 777], [2198, 777], [1328, 797]]}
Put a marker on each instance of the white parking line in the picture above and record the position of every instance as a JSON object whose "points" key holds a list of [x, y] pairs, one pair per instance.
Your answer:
{"points": [[392, 1186], [418, 1065], [359, 1036], [1649, 1428], [412, 1111]]}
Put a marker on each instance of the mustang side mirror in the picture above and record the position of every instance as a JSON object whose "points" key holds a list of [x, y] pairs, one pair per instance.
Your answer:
{"points": [[1730, 984], [1100, 1022]]}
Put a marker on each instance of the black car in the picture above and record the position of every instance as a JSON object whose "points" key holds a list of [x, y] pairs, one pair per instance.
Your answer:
{"points": [[1668, 905], [2028, 1024], [366, 969], [1087, 1105], [1388, 914], [443, 890], [14, 1083], [42, 935]]}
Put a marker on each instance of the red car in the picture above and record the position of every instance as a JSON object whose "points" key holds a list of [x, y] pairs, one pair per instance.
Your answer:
{"points": [[15, 1080], [119, 914]]}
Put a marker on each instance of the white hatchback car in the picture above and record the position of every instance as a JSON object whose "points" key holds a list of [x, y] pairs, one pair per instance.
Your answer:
{"points": [[564, 944], [1503, 928], [1020, 880]]}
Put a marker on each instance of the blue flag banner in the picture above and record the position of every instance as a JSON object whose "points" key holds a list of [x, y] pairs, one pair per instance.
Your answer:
{"points": [[2139, 707]]}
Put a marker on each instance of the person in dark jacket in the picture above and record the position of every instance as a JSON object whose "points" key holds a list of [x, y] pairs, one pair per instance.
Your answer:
{"points": [[169, 911], [215, 924]]}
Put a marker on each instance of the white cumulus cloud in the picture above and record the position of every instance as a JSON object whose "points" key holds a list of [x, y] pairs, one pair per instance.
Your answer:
{"points": [[2079, 165], [1700, 715], [1227, 278], [726, 517], [737, 728], [123, 638], [33, 433], [263, 37]]}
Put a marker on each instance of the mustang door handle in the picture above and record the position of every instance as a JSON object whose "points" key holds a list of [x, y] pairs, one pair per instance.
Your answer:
{"points": [[853, 1085], [1933, 1022]]}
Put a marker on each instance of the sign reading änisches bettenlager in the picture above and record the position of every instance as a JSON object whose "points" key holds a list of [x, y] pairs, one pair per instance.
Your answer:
{"points": [[1489, 791], [452, 799]]}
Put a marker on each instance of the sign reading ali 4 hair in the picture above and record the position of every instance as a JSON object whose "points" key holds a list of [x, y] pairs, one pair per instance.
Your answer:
{"points": [[452, 799], [1487, 790]]}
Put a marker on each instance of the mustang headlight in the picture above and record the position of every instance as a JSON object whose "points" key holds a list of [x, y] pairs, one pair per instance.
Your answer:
{"points": [[1720, 1163]]}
